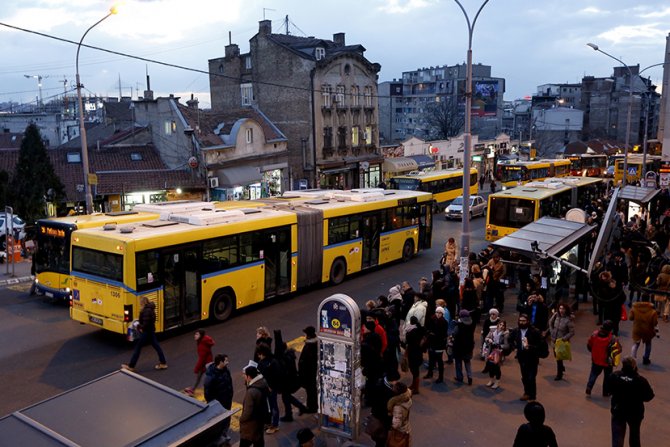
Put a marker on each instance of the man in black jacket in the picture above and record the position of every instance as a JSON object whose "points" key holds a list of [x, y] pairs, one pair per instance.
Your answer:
{"points": [[526, 340], [308, 364], [629, 393], [219, 386], [272, 371]]}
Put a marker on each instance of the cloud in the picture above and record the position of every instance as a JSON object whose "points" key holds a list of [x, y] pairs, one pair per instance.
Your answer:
{"points": [[404, 6], [592, 10], [656, 14], [650, 32]]}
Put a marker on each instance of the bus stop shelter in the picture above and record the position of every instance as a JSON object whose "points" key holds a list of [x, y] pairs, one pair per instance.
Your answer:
{"points": [[553, 245]]}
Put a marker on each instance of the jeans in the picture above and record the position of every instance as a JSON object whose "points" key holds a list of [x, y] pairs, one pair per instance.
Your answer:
{"points": [[274, 408], [595, 372], [619, 431], [647, 349], [146, 337], [433, 358], [290, 401], [459, 368]]}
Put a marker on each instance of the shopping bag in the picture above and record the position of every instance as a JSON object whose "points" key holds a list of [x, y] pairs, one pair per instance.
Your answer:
{"points": [[624, 313], [562, 350]]}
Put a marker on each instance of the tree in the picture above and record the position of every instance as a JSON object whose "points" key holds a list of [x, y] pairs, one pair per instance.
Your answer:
{"points": [[33, 178], [443, 119]]}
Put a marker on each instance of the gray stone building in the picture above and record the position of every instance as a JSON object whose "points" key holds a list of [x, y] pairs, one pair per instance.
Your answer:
{"points": [[426, 88], [321, 93]]}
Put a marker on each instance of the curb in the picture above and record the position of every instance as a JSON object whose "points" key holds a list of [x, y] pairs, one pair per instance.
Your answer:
{"points": [[15, 280]]}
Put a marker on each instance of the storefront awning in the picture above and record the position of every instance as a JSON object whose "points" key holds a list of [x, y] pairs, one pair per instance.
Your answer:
{"points": [[399, 164], [423, 161], [336, 170], [553, 236], [238, 176]]}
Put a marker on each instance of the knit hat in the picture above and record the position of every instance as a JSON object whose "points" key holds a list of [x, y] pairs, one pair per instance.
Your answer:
{"points": [[464, 313], [310, 331], [494, 311], [440, 310]]}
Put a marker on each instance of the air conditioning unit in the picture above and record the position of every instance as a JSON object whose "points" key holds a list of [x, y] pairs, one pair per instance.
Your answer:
{"points": [[213, 182]]}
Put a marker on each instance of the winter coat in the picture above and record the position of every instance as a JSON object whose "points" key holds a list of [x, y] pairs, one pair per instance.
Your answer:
{"points": [[254, 409], [629, 393], [529, 435], [561, 327], [464, 338], [308, 362], [644, 318], [371, 355], [418, 310], [398, 408], [273, 372], [598, 346], [437, 333], [219, 386], [413, 345], [148, 318], [529, 355], [204, 353], [663, 282]]}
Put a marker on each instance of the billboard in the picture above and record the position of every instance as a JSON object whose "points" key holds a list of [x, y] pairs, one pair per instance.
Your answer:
{"points": [[484, 97]]}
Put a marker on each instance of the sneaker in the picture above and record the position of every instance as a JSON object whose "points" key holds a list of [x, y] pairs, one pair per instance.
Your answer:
{"points": [[495, 385], [161, 366], [272, 430], [127, 367], [489, 383]]}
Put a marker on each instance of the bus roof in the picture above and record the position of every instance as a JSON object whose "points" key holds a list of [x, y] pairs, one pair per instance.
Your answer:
{"points": [[546, 188], [98, 219], [426, 176]]}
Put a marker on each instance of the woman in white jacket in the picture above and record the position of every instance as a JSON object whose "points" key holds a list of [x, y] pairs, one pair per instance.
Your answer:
{"points": [[418, 309]]}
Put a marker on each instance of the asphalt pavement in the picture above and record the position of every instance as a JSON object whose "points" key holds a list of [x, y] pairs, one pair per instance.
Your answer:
{"points": [[15, 272]]}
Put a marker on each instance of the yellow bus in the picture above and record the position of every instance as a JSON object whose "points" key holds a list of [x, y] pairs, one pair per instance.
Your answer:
{"points": [[635, 164], [514, 208], [207, 264], [511, 173], [445, 185], [587, 165]]}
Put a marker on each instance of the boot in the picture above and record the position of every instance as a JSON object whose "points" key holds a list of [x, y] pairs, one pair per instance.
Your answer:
{"points": [[496, 384], [415, 386]]}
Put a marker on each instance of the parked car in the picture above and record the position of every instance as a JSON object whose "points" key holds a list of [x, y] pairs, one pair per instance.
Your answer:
{"points": [[18, 225], [609, 172], [455, 208]]}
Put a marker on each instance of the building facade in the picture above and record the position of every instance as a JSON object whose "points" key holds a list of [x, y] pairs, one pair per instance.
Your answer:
{"points": [[321, 93]]}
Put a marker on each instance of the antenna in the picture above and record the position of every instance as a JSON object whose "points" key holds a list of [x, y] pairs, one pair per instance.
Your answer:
{"points": [[267, 9], [286, 21]]}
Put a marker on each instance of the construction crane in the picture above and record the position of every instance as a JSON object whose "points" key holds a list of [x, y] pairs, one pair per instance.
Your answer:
{"points": [[39, 85]]}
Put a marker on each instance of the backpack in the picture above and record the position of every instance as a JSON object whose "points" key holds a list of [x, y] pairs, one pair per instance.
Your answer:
{"points": [[614, 352], [291, 376], [543, 349]]}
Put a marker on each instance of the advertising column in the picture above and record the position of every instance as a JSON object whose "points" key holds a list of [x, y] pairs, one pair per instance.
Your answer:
{"points": [[340, 377]]}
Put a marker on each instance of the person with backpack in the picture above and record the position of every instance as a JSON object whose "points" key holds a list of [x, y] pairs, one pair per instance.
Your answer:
{"points": [[272, 372], [599, 347], [255, 412], [290, 379], [629, 393], [219, 386]]}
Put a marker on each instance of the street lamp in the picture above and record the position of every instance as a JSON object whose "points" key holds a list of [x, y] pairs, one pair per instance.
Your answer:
{"points": [[467, 150], [646, 120], [82, 127], [630, 108]]}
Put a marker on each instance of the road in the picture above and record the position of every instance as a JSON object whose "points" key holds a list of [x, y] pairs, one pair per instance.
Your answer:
{"points": [[44, 353]]}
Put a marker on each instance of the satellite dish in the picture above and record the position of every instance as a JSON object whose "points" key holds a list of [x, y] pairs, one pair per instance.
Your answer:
{"points": [[576, 215]]}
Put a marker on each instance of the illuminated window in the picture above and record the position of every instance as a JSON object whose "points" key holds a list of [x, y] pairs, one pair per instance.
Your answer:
{"points": [[354, 136], [74, 157], [368, 135]]}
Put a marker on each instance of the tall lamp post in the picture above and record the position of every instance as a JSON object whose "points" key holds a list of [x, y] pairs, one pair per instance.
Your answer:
{"points": [[630, 108], [467, 150], [646, 120], [82, 127]]}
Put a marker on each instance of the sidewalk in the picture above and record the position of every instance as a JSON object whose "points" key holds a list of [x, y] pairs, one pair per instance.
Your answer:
{"points": [[21, 272]]}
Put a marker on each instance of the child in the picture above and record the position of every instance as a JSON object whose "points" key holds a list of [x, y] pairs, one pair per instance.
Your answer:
{"points": [[204, 345]]}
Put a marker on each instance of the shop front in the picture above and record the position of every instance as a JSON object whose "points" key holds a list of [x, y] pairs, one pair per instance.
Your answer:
{"points": [[351, 174], [247, 183]]}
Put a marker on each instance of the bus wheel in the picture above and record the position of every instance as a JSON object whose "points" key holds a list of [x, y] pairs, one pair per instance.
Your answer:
{"points": [[408, 250], [222, 306], [338, 271]]}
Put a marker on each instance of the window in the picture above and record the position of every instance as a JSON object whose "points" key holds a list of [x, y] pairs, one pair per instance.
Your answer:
{"points": [[136, 156], [219, 254], [368, 96], [326, 91], [98, 263], [339, 95], [221, 68], [170, 127], [74, 157], [342, 137], [327, 137], [368, 135], [342, 229], [355, 100], [247, 91], [146, 270], [247, 62], [354, 136], [250, 135], [319, 53]]}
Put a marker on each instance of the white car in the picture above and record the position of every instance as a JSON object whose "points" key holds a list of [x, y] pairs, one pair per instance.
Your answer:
{"points": [[18, 225], [455, 208]]}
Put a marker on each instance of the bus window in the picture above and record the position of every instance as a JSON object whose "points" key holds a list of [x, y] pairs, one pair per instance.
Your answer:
{"points": [[219, 254], [99, 263], [146, 268], [511, 212]]}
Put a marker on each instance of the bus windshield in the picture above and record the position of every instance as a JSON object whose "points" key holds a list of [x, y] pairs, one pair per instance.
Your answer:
{"points": [[511, 212], [52, 253], [407, 184], [98, 263]]}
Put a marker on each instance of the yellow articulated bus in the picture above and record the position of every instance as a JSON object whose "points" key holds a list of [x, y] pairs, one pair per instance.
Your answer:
{"points": [[206, 264], [444, 185], [514, 208], [516, 173], [634, 166]]}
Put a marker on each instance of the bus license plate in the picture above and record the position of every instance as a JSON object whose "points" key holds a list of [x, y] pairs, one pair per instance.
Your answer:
{"points": [[95, 320], [49, 294]]}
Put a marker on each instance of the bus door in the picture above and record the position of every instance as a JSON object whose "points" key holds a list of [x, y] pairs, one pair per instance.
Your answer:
{"points": [[181, 286], [276, 255], [425, 226], [371, 228]]}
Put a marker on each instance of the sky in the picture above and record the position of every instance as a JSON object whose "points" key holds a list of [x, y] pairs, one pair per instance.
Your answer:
{"points": [[526, 42]]}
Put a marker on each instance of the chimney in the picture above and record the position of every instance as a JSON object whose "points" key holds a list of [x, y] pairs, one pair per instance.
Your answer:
{"points": [[232, 50], [192, 103], [338, 38], [265, 27], [148, 93]]}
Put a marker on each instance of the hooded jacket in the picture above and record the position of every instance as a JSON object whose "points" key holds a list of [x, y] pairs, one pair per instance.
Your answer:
{"points": [[204, 353], [418, 310], [598, 346], [254, 409], [644, 318], [663, 282], [629, 393], [148, 318], [398, 407]]}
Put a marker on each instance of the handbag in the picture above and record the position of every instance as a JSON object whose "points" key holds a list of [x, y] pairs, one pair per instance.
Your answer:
{"points": [[397, 438], [562, 350], [494, 356], [624, 313]]}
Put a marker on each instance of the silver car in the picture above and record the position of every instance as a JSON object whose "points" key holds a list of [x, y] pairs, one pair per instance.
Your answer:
{"points": [[455, 208]]}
